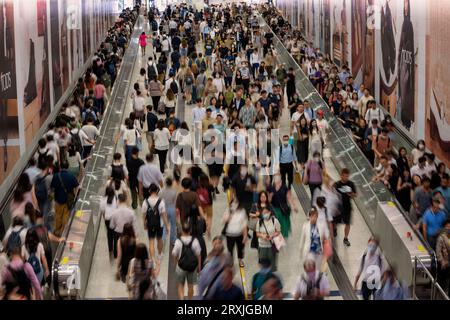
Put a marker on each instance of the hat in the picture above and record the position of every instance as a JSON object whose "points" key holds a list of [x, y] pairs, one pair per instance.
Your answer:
{"points": [[208, 109]]}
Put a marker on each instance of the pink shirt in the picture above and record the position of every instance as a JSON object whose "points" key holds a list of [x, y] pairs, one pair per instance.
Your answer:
{"points": [[143, 40], [17, 264], [99, 91]]}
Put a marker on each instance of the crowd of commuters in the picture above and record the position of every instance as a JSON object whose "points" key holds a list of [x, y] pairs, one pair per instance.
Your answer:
{"points": [[219, 60], [46, 191], [420, 185]]}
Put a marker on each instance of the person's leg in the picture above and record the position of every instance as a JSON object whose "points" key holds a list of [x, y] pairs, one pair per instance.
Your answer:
{"points": [[365, 291], [190, 291], [160, 246], [240, 247], [230, 245], [180, 291], [290, 174], [134, 196], [58, 219], [116, 237], [346, 230], [283, 171], [151, 248], [162, 160], [109, 236]]}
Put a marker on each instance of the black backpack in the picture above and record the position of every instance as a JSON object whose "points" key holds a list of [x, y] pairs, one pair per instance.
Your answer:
{"points": [[188, 80], [34, 262], [275, 112], [174, 87], [22, 281], [117, 172], [76, 141], [153, 216], [154, 25], [188, 260], [42, 156], [40, 189], [14, 240]]}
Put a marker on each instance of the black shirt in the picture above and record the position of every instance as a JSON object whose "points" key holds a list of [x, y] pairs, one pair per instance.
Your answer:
{"points": [[152, 120], [344, 189], [244, 193], [133, 166]]}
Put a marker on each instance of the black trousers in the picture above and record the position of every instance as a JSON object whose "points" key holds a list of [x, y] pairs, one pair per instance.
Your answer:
{"points": [[134, 196], [287, 169], [162, 156], [112, 237], [232, 241], [366, 292], [312, 189]]}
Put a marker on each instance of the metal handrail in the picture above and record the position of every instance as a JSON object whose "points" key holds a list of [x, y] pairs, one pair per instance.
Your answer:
{"points": [[434, 284]]}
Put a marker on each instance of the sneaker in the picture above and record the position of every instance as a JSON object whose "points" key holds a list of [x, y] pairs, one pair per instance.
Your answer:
{"points": [[346, 242], [241, 264]]}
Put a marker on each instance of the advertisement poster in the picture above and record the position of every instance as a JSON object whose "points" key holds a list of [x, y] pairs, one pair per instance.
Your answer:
{"points": [[362, 44], [33, 84], [437, 126], [9, 120], [86, 18], [340, 34], [56, 50]]}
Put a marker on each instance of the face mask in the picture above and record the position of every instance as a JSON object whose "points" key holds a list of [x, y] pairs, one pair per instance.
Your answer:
{"points": [[266, 216], [265, 270], [371, 248], [285, 143], [317, 159], [421, 147]]}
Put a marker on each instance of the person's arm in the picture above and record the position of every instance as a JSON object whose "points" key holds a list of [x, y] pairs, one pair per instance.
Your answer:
{"points": [[424, 227], [291, 202], [44, 264], [34, 281]]}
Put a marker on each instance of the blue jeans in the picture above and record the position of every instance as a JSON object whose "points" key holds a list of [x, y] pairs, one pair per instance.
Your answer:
{"points": [[171, 215]]}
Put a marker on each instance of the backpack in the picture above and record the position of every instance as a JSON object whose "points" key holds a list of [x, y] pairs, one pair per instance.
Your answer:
{"points": [[35, 263], [76, 141], [188, 260], [40, 189], [203, 195], [14, 240], [151, 71], [117, 172], [188, 80], [153, 216], [106, 79], [22, 280], [157, 44], [174, 87]]}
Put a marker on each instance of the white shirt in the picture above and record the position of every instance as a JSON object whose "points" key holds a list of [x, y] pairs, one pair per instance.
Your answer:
{"points": [[121, 216], [417, 171], [138, 103], [237, 222], [108, 209], [161, 138], [130, 136], [152, 201], [374, 114], [198, 114], [323, 126], [295, 117]]}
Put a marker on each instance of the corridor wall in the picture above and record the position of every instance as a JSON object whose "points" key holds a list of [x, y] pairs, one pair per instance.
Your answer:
{"points": [[44, 45], [397, 48]]}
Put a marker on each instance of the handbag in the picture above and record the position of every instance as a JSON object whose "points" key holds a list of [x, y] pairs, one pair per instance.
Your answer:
{"points": [[274, 247], [279, 241]]}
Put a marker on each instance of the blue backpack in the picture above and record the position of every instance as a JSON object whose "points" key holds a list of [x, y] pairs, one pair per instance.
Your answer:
{"points": [[35, 263]]}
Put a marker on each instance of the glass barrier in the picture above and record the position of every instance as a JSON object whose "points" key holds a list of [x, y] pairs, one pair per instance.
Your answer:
{"points": [[346, 153]]}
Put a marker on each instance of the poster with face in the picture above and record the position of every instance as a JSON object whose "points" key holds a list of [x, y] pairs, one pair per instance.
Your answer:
{"points": [[56, 50], [437, 123], [362, 44], [33, 84], [86, 18], [339, 32], [398, 53], [74, 9], [9, 121]]}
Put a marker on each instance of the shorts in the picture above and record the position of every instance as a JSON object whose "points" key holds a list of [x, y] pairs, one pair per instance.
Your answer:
{"points": [[183, 276], [344, 217], [155, 233], [208, 210]]}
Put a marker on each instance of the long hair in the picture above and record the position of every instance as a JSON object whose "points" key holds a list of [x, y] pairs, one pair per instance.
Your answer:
{"points": [[110, 194], [128, 234], [32, 241]]}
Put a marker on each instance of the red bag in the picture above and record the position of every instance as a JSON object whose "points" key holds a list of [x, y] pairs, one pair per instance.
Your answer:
{"points": [[203, 195], [327, 248]]}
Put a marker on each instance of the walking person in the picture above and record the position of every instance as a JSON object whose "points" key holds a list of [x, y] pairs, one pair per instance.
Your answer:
{"points": [[347, 190], [108, 204], [143, 43], [187, 255], [162, 141], [314, 171], [235, 229], [155, 216], [133, 167], [126, 248], [266, 230], [169, 195]]}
